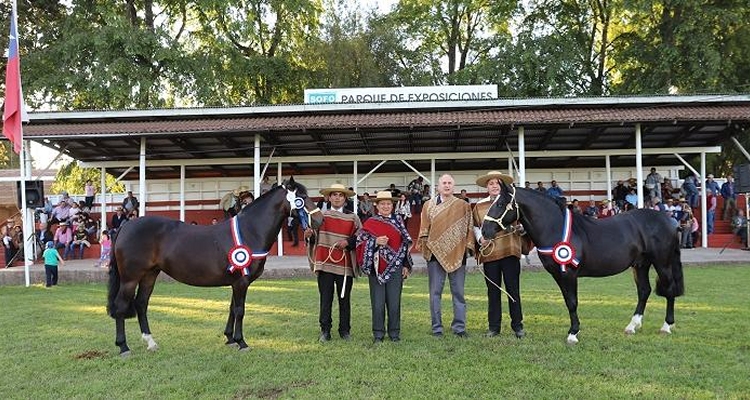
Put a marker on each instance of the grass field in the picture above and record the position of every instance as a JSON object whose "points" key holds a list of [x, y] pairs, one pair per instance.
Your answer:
{"points": [[59, 343]]}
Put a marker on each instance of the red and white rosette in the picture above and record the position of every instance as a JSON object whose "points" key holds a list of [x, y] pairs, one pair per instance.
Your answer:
{"points": [[240, 257], [563, 253]]}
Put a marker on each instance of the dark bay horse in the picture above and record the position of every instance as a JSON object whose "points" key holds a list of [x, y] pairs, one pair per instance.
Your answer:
{"points": [[231, 253], [572, 245]]}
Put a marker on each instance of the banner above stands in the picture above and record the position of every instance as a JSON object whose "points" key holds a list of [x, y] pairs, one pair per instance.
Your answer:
{"points": [[401, 94]]}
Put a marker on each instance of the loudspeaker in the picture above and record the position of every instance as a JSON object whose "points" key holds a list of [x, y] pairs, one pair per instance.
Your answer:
{"points": [[742, 178], [34, 194]]}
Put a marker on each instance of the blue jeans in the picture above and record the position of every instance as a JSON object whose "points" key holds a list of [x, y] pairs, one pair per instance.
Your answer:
{"points": [[710, 216]]}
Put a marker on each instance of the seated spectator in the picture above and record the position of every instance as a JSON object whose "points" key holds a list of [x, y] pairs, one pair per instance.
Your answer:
{"points": [[80, 240], [591, 210], [555, 191], [63, 238], [631, 199], [739, 226], [606, 210], [60, 213]]}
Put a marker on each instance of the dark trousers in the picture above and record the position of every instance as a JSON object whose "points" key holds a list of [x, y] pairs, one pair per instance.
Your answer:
{"points": [[507, 269], [386, 297], [88, 202], [50, 272], [326, 283]]}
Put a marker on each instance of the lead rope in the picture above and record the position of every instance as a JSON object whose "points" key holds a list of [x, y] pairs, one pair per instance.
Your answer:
{"points": [[482, 252]]}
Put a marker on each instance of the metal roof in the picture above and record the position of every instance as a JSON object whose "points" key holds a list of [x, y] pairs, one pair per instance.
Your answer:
{"points": [[318, 139]]}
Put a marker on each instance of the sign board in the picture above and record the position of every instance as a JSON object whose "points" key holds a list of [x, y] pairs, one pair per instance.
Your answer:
{"points": [[401, 94]]}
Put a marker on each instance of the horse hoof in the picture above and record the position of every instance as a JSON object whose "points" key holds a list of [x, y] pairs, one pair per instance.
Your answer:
{"points": [[153, 348], [125, 354], [246, 348], [572, 339], [233, 345], [666, 329], [629, 331]]}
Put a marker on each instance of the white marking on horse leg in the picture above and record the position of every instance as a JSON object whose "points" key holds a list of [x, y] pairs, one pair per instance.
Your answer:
{"points": [[125, 354], [666, 328], [152, 346], [572, 339], [635, 323]]}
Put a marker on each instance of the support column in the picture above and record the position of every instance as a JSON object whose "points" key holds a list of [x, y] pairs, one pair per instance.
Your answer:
{"points": [[704, 208], [182, 192], [639, 164], [521, 156], [608, 169], [103, 201], [280, 236], [142, 179]]}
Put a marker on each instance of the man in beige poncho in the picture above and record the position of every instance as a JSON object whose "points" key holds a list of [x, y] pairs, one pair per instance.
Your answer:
{"points": [[445, 235]]}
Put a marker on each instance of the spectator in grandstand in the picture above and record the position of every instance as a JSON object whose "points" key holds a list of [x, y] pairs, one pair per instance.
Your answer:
{"points": [[730, 199], [555, 191], [653, 184], [415, 188]]}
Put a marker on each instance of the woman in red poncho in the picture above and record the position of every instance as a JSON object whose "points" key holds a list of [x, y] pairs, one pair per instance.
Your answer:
{"points": [[383, 253]]}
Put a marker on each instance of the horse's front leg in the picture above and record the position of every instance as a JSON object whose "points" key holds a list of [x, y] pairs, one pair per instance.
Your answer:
{"points": [[145, 289], [239, 293], [568, 284], [669, 319], [643, 286], [229, 329]]}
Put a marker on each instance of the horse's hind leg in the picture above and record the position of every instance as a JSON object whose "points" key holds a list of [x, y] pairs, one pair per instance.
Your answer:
{"points": [[145, 289], [229, 329], [122, 306], [643, 286]]}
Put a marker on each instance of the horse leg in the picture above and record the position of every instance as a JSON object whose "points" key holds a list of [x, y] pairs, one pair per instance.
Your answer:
{"points": [[229, 329], [568, 284], [122, 305], [239, 293], [643, 285], [666, 328], [145, 288]]}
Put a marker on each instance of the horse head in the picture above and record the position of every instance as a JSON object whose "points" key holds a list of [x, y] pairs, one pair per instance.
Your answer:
{"points": [[502, 213], [302, 207]]}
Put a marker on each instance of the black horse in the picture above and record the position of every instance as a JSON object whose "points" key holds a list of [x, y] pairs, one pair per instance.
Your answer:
{"points": [[572, 245], [230, 253]]}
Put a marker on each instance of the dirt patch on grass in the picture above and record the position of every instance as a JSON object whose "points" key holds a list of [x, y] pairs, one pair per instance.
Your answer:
{"points": [[90, 355], [271, 392]]}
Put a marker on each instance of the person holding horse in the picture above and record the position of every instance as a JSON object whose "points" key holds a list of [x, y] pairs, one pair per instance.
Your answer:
{"points": [[332, 259], [383, 247], [500, 257], [445, 236]]}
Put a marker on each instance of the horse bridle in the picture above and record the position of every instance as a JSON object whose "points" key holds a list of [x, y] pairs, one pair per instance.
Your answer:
{"points": [[512, 204], [298, 203]]}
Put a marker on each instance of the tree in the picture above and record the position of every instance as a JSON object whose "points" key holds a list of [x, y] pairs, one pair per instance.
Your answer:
{"points": [[72, 178]]}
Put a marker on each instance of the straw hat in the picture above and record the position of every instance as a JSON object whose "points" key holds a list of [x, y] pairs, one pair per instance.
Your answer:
{"points": [[384, 195], [337, 187], [482, 180]]}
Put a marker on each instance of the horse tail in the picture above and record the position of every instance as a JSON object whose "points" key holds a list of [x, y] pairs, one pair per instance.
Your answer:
{"points": [[114, 286], [676, 287]]}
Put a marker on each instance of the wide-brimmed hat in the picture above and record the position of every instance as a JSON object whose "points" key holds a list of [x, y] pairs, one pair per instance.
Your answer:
{"points": [[337, 187], [64, 223], [384, 195], [482, 180]]}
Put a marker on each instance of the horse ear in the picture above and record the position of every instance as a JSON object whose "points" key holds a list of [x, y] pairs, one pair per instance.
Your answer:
{"points": [[291, 180]]}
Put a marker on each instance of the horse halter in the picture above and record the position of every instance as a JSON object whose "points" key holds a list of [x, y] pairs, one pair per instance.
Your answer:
{"points": [[512, 205], [298, 203]]}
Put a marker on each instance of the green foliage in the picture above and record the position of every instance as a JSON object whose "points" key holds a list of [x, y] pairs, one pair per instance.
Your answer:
{"points": [[72, 178], [66, 333]]}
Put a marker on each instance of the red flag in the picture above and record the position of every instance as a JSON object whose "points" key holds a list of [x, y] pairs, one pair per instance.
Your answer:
{"points": [[13, 103]]}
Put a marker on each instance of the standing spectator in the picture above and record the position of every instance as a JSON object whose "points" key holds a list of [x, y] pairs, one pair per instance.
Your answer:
{"points": [[130, 203], [10, 249], [712, 184], [403, 208], [555, 191], [105, 250], [711, 210], [690, 187], [51, 261], [426, 194], [333, 262], [349, 204], [653, 185], [667, 190], [90, 193], [415, 188], [446, 253], [117, 220], [365, 207], [291, 230], [500, 257], [383, 253], [730, 199]]}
